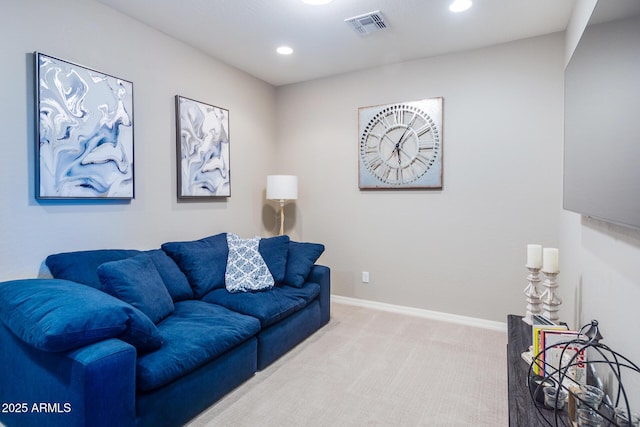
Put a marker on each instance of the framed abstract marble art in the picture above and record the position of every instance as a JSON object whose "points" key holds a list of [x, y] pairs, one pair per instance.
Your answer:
{"points": [[202, 139], [84, 132]]}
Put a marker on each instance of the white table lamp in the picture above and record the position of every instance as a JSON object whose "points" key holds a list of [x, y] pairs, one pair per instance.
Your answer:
{"points": [[282, 188]]}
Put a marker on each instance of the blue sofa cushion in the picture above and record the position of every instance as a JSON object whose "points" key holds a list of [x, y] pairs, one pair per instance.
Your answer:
{"points": [[270, 306], [136, 280], [59, 315], [246, 269], [203, 261], [274, 251], [141, 332], [81, 266], [174, 279], [196, 333], [300, 259]]}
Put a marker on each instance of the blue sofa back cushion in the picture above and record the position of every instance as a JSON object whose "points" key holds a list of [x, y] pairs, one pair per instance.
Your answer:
{"points": [[59, 315], [203, 261], [301, 257], [81, 266], [196, 333], [174, 279], [136, 281], [274, 251]]}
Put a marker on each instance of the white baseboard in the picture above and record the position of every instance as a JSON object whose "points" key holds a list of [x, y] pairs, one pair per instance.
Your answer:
{"points": [[418, 312]]}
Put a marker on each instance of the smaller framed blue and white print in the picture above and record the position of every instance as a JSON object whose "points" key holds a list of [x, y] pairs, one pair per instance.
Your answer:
{"points": [[202, 136], [84, 132]]}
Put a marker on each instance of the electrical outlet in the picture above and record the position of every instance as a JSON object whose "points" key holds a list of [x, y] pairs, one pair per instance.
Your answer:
{"points": [[365, 277]]}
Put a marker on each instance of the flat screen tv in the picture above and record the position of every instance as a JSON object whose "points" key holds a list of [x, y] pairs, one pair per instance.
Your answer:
{"points": [[602, 117]]}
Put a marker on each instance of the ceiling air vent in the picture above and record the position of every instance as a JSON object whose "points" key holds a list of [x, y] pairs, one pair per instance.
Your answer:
{"points": [[367, 23]]}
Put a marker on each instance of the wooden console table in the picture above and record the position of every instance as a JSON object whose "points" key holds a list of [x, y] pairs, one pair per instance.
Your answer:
{"points": [[522, 411]]}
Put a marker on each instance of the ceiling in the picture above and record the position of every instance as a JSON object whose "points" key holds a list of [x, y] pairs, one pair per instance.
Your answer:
{"points": [[245, 33]]}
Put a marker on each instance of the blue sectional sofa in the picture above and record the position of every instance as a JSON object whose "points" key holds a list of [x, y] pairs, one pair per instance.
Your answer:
{"points": [[152, 338]]}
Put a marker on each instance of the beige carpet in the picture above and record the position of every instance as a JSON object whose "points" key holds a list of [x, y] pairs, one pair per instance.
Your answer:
{"points": [[374, 368]]}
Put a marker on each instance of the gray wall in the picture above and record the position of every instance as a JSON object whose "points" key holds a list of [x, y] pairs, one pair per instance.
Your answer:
{"points": [[93, 35], [601, 272], [461, 250]]}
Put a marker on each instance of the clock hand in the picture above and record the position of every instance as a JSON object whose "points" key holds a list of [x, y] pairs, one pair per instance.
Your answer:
{"points": [[386, 160], [402, 137], [409, 125], [396, 149]]}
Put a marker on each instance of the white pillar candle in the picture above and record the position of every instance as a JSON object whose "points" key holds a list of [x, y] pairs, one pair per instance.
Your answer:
{"points": [[550, 260], [534, 256]]}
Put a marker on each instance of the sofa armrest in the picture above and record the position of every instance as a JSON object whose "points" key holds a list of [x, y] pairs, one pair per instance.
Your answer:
{"points": [[92, 385], [321, 275]]}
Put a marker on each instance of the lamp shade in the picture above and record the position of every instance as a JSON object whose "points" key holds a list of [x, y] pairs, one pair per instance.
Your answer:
{"points": [[282, 187]]}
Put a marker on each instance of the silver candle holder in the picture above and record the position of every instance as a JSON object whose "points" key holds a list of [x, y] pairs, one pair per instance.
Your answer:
{"points": [[550, 300], [534, 302]]}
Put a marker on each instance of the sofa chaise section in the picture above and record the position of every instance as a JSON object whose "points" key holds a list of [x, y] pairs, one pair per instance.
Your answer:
{"points": [[92, 385]]}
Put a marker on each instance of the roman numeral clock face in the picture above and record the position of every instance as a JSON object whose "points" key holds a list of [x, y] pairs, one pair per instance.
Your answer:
{"points": [[401, 145]]}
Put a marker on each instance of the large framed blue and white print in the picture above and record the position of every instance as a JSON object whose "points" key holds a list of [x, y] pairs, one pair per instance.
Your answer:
{"points": [[84, 132], [202, 135]]}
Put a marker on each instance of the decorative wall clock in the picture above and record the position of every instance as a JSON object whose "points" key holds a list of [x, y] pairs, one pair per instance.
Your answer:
{"points": [[401, 145]]}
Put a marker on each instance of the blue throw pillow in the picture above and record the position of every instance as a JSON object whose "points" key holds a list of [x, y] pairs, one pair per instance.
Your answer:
{"points": [[300, 259], [137, 281], [81, 266], [59, 315], [203, 261], [141, 332], [274, 251], [173, 278]]}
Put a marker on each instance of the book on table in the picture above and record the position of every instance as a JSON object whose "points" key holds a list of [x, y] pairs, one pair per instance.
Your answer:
{"points": [[563, 356], [540, 324]]}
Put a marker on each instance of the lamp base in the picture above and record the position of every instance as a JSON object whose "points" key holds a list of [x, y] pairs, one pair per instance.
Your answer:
{"points": [[281, 217]]}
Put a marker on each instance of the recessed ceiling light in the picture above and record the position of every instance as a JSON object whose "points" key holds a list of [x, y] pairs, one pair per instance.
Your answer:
{"points": [[460, 5], [316, 2], [284, 50]]}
